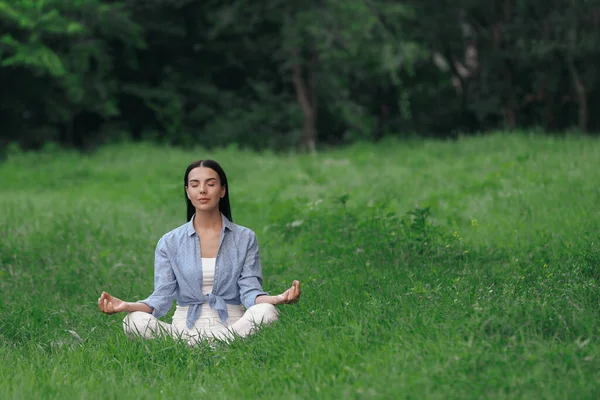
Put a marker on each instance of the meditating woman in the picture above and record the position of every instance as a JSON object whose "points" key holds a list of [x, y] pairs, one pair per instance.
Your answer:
{"points": [[210, 265]]}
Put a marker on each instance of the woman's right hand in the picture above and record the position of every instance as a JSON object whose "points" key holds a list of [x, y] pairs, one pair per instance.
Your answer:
{"points": [[111, 305]]}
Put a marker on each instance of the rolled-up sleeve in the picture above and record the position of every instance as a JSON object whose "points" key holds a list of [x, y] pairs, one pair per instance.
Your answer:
{"points": [[250, 280], [165, 282]]}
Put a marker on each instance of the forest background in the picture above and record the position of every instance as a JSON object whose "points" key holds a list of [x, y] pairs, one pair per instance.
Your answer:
{"points": [[445, 229], [279, 74]]}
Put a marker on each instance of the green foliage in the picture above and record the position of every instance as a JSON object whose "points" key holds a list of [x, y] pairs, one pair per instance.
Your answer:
{"points": [[356, 54], [35, 21], [181, 72], [429, 269], [67, 45]]}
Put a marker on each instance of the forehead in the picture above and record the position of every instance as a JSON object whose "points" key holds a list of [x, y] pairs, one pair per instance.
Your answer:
{"points": [[203, 174]]}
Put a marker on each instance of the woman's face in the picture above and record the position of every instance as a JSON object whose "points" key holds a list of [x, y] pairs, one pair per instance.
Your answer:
{"points": [[204, 188]]}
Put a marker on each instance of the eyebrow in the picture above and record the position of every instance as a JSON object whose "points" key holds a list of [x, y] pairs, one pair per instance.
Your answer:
{"points": [[198, 180]]}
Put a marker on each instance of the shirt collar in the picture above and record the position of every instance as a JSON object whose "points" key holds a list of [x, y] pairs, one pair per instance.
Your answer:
{"points": [[227, 224]]}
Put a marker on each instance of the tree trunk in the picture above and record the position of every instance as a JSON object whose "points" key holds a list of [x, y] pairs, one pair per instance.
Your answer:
{"points": [[582, 113], [510, 116], [306, 96], [549, 122], [582, 103], [382, 120]]}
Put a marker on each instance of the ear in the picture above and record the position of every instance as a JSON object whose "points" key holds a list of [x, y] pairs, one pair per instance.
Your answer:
{"points": [[223, 191], [188, 193]]}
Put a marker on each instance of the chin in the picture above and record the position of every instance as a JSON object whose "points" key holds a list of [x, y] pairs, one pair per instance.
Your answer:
{"points": [[207, 207]]}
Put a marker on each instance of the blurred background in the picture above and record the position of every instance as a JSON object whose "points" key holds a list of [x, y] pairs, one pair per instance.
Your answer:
{"points": [[275, 74]]}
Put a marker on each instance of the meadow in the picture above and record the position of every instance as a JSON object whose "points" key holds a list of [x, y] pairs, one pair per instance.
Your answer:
{"points": [[462, 269]]}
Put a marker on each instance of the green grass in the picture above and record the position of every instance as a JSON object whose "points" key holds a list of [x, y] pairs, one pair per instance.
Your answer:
{"points": [[429, 269]]}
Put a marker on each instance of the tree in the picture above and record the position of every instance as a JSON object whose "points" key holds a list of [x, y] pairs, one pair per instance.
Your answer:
{"points": [[66, 49], [330, 51]]}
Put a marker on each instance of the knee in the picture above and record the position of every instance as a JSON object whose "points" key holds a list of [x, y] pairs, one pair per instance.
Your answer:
{"points": [[264, 312], [136, 322]]}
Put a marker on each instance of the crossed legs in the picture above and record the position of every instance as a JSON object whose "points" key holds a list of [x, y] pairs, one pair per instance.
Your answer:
{"points": [[144, 325]]}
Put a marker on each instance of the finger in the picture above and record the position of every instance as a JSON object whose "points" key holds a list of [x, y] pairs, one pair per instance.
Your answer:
{"points": [[101, 305], [295, 293], [290, 296], [111, 308]]}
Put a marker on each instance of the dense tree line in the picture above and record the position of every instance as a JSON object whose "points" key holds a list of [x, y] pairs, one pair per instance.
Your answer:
{"points": [[275, 73]]}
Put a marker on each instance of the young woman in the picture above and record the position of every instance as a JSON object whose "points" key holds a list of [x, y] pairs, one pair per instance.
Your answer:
{"points": [[210, 265]]}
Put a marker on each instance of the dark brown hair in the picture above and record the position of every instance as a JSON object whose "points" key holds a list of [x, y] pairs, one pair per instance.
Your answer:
{"points": [[224, 206]]}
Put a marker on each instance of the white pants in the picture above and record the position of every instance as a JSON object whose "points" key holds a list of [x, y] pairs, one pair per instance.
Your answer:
{"points": [[141, 324]]}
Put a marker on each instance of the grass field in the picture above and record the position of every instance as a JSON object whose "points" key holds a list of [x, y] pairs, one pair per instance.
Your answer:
{"points": [[429, 269]]}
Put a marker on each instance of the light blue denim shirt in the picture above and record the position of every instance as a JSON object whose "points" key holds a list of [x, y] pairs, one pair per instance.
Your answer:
{"points": [[178, 271]]}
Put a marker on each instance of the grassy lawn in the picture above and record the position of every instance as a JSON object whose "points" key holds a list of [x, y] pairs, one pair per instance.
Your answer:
{"points": [[429, 269]]}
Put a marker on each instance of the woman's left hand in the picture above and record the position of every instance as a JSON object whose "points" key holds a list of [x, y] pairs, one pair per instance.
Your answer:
{"points": [[292, 295]]}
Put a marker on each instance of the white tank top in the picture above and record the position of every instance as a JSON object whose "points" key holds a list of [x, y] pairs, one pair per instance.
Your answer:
{"points": [[209, 318], [208, 274]]}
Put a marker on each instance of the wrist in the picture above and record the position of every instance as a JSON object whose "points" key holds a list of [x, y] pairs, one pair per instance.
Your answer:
{"points": [[274, 300]]}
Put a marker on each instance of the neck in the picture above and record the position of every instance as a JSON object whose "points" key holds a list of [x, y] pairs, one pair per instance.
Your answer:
{"points": [[207, 220]]}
